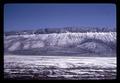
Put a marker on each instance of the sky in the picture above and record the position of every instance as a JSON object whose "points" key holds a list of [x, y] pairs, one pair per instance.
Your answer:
{"points": [[35, 16]]}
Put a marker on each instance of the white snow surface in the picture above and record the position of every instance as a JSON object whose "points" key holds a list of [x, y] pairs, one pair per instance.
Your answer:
{"points": [[63, 61], [67, 67]]}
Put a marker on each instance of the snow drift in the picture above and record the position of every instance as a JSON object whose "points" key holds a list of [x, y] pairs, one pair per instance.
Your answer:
{"points": [[62, 43]]}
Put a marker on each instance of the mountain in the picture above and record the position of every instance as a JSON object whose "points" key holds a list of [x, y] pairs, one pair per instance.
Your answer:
{"points": [[66, 43], [61, 30]]}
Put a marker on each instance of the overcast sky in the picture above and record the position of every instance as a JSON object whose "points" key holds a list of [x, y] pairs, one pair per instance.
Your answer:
{"points": [[34, 16]]}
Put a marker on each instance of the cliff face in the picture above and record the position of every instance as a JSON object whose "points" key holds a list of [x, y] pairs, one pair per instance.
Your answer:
{"points": [[102, 43]]}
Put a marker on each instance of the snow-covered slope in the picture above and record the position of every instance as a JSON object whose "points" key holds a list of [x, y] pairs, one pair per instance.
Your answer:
{"points": [[90, 42]]}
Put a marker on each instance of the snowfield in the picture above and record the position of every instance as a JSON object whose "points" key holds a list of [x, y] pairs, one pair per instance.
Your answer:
{"points": [[59, 67]]}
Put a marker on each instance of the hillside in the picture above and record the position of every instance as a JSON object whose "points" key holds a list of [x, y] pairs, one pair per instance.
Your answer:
{"points": [[69, 43]]}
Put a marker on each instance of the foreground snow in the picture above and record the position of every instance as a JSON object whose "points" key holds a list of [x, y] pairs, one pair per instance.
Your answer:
{"points": [[59, 67]]}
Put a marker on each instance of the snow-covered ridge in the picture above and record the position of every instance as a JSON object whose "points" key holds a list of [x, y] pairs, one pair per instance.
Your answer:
{"points": [[89, 40]]}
